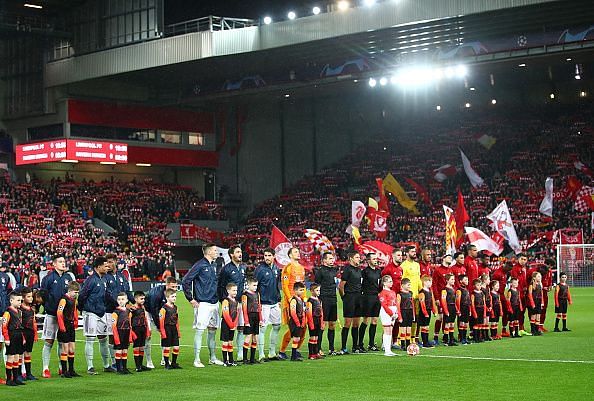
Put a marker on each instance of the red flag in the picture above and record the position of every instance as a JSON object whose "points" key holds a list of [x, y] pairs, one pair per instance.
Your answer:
{"points": [[461, 217], [573, 186], [382, 250], [421, 191], [380, 224], [383, 200], [281, 245]]}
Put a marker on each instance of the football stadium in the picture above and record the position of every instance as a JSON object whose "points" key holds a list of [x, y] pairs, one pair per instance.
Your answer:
{"points": [[336, 199]]}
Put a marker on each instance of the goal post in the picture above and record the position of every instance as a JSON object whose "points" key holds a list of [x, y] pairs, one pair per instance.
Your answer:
{"points": [[577, 261]]}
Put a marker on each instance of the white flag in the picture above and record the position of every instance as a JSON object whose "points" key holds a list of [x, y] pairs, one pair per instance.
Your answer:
{"points": [[358, 210], [224, 253], [474, 178], [503, 224], [482, 241], [450, 230], [546, 206]]}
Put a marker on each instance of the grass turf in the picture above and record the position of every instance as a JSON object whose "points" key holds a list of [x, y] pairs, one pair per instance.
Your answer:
{"points": [[530, 368]]}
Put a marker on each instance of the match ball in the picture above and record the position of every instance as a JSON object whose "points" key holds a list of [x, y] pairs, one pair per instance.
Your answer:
{"points": [[413, 349]]}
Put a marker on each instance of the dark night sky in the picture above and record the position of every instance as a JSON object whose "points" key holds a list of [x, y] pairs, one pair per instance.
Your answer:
{"points": [[183, 10]]}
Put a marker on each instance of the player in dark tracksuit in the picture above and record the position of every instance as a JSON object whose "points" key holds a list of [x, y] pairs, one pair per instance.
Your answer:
{"points": [[326, 277]]}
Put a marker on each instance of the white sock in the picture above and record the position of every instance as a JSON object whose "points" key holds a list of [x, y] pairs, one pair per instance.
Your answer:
{"points": [[111, 348], [197, 344], [45, 355], [239, 340], [147, 351], [89, 350], [387, 343], [261, 338], [104, 350], [273, 339], [212, 344]]}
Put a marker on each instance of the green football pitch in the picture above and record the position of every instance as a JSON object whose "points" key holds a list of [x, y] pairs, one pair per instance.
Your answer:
{"points": [[553, 366]]}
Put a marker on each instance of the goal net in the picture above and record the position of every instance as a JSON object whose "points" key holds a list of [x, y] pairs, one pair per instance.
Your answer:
{"points": [[577, 261]]}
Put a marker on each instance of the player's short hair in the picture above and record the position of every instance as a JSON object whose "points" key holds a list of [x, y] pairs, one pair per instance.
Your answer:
{"points": [[448, 276], [461, 276], [138, 294], [110, 256], [476, 281], [396, 250], [251, 280], [484, 277], [522, 255], [386, 278], [493, 284], [410, 248], [268, 250], [405, 281], [169, 292], [326, 254], [232, 249], [425, 278], [513, 279], [99, 260], [457, 254], [469, 247], [73, 286], [351, 254], [291, 250], [314, 286], [207, 246], [170, 280], [14, 294], [122, 294], [230, 285], [298, 285], [57, 256], [369, 255], [562, 274], [26, 290]]}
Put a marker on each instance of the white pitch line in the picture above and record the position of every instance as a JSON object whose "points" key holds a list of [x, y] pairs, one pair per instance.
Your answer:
{"points": [[484, 358]]}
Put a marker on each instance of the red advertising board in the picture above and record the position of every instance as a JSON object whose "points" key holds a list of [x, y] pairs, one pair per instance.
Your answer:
{"points": [[92, 151], [71, 149], [41, 152]]}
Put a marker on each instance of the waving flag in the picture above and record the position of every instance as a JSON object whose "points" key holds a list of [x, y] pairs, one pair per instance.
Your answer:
{"points": [[482, 241], [503, 224], [394, 187], [444, 172], [450, 231], [583, 168], [584, 199], [461, 216], [421, 191], [281, 245], [546, 206], [474, 178], [381, 249], [319, 240]]}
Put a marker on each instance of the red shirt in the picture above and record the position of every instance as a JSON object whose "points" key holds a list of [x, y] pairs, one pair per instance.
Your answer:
{"points": [[501, 276], [387, 300], [396, 273], [439, 281], [472, 269], [484, 269], [456, 271], [426, 269], [519, 272]]}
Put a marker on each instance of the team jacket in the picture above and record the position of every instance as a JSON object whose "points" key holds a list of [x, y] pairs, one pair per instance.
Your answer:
{"points": [[268, 283], [200, 283], [121, 318], [448, 297], [478, 307], [231, 273], [56, 287], [427, 303], [93, 295], [562, 294], [168, 317], [463, 301], [297, 311], [12, 323], [29, 322], [139, 320], [315, 313], [250, 303]]}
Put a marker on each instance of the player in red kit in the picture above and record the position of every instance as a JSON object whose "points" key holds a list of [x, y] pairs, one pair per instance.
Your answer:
{"points": [[471, 264], [520, 272], [458, 268], [438, 284], [426, 262], [484, 266]]}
